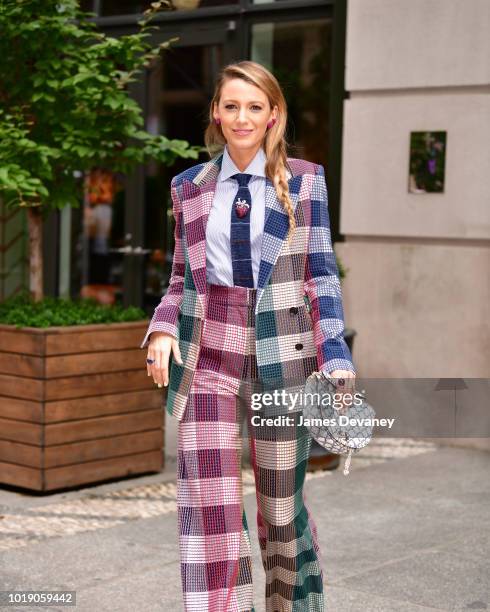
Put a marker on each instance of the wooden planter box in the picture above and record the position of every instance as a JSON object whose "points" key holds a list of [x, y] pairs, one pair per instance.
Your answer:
{"points": [[77, 406]]}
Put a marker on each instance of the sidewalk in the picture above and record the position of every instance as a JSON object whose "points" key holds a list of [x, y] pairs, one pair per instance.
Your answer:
{"points": [[406, 530]]}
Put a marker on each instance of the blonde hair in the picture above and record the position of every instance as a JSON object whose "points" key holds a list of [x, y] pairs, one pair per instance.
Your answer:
{"points": [[275, 144]]}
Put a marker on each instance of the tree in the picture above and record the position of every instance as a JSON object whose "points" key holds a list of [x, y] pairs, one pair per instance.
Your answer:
{"points": [[65, 108]]}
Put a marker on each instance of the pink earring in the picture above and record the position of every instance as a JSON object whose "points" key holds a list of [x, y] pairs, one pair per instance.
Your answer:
{"points": [[217, 121], [271, 123]]}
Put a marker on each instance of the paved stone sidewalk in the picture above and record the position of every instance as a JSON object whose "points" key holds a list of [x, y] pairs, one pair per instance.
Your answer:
{"points": [[29, 519], [406, 530]]}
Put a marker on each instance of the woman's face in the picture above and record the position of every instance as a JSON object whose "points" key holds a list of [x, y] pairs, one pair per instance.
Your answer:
{"points": [[244, 111]]}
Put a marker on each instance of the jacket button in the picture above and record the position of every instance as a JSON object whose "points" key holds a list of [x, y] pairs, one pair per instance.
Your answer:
{"points": [[298, 346], [293, 310]]}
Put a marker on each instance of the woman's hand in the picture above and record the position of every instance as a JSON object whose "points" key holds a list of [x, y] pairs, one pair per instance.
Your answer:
{"points": [[347, 375], [348, 386], [159, 349]]}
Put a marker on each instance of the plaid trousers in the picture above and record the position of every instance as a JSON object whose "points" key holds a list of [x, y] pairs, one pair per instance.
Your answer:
{"points": [[214, 541]]}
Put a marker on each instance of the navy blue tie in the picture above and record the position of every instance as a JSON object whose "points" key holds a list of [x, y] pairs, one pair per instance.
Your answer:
{"points": [[241, 255]]}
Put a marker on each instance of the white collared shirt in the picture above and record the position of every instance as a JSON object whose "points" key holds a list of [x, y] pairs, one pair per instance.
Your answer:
{"points": [[219, 270]]}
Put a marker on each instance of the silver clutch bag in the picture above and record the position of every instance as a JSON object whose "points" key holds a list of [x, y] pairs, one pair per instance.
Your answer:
{"points": [[341, 429]]}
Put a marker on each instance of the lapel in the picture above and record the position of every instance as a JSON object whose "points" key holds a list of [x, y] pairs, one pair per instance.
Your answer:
{"points": [[197, 200]]}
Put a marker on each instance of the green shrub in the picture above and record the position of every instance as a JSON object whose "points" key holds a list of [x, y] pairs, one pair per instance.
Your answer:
{"points": [[21, 311]]}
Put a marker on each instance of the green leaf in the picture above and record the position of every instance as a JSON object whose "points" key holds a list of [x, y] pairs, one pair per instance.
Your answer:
{"points": [[68, 105]]}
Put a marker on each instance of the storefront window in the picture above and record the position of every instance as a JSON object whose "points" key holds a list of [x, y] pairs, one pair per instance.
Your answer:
{"points": [[304, 76]]}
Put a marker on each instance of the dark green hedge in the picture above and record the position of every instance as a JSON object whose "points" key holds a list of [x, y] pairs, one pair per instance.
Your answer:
{"points": [[22, 311]]}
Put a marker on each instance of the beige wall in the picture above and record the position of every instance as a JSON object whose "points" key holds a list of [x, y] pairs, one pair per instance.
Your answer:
{"points": [[420, 309], [395, 44], [417, 290], [375, 198]]}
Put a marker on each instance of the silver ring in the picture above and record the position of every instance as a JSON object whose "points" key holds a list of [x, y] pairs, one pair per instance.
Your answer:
{"points": [[150, 361]]}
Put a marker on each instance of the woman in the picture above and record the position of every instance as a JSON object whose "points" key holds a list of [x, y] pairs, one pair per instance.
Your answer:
{"points": [[254, 300]]}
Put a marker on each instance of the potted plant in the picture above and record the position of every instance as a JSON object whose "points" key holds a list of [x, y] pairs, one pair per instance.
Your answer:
{"points": [[75, 402], [76, 405]]}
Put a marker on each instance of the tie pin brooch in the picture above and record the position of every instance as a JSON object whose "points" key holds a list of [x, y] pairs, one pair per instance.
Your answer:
{"points": [[241, 207]]}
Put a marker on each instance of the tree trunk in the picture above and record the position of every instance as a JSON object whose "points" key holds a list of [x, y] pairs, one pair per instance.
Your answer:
{"points": [[35, 253]]}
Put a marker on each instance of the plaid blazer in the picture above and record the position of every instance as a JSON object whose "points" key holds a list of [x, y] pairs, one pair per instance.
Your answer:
{"points": [[299, 320]]}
